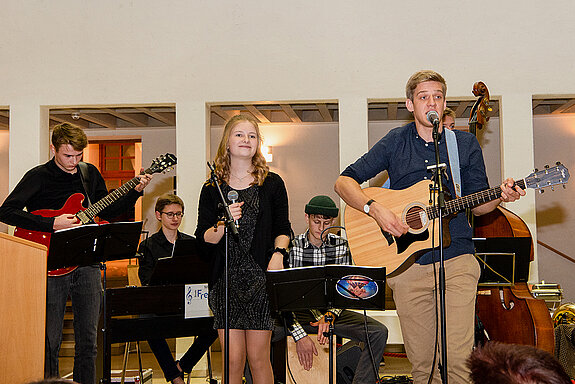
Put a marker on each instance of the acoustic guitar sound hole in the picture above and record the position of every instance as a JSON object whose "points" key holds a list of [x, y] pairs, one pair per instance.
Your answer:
{"points": [[415, 218]]}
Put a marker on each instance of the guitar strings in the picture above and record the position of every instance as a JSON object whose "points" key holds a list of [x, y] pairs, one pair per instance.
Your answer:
{"points": [[458, 204]]}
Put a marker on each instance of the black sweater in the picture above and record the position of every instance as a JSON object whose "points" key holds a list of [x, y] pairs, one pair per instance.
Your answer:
{"points": [[47, 186], [153, 248]]}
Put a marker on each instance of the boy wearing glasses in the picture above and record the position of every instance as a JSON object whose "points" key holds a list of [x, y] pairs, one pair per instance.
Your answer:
{"points": [[169, 212]]}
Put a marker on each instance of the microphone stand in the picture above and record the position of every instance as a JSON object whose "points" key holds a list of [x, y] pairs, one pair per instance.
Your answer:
{"points": [[231, 226], [329, 335], [441, 208]]}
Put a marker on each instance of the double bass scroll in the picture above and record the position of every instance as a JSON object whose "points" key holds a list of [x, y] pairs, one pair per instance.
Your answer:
{"points": [[478, 116]]}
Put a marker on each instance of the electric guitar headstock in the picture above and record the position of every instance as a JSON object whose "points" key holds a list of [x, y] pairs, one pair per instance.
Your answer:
{"points": [[162, 163]]}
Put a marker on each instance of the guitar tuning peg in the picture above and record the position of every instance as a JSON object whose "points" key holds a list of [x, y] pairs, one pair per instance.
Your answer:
{"points": [[558, 163], [546, 166], [541, 191], [564, 187], [536, 170], [553, 188]]}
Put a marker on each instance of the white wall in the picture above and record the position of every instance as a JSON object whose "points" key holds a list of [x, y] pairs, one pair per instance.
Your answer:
{"points": [[554, 141], [84, 52]]}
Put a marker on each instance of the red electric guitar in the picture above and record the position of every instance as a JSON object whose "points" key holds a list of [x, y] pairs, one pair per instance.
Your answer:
{"points": [[86, 215]]}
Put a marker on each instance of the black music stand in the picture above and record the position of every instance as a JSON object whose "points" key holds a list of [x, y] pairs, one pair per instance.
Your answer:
{"points": [[185, 266], [94, 244], [329, 286], [503, 260]]}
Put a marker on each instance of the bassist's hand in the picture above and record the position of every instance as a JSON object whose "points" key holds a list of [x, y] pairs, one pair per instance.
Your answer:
{"points": [[66, 220], [387, 220]]}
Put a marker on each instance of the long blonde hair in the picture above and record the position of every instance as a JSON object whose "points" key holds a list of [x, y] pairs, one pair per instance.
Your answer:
{"points": [[222, 159]]}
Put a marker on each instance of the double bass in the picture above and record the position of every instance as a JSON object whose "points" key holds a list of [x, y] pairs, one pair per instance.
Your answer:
{"points": [[509, 314]]}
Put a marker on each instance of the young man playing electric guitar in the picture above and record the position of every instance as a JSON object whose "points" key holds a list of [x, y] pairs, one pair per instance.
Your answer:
{"points": [[48, 186], [406, 152]]}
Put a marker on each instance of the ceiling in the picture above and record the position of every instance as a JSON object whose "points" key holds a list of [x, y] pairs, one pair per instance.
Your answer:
{"points": [[116, 117], [141, 117]]}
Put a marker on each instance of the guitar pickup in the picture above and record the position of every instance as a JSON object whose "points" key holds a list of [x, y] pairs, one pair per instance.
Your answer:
{"points": [[388, 236]]}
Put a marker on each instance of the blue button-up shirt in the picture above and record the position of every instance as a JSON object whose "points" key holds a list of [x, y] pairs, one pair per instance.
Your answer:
{"points": [[406, 156]]}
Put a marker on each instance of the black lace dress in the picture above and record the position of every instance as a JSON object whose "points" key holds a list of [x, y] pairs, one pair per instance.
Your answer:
{"points": [[249, 304]]}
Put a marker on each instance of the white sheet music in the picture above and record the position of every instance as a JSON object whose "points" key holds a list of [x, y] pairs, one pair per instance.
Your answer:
{"points": [[196, 301]]}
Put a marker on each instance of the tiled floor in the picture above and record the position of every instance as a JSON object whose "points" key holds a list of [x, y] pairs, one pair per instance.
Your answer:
{"points": [[394, 365]]}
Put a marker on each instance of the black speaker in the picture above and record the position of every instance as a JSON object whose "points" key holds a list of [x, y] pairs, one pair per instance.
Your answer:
{"points": [[347, 358]]}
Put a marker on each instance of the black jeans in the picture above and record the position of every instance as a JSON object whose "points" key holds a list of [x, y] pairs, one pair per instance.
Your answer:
{"points": [[84, 286], [164, 356]]}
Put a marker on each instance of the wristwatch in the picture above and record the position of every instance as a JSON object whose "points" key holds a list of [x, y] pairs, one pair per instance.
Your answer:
{"points": [[366, 206], [283, 252]]}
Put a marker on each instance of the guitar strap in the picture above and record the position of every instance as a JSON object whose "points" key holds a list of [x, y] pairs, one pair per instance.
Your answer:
{"points": [[85, 177], [453, 154], [387, 183]]}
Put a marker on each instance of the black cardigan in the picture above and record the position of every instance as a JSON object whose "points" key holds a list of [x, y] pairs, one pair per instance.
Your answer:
{"points": [[273, 221]]}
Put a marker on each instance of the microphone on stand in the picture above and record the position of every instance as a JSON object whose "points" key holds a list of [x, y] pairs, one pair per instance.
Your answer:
{"points": [[433, 118], [233, 197], [228, 215]]}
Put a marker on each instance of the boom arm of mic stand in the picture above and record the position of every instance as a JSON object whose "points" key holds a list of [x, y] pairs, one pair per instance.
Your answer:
{"points": [[230, 223]]}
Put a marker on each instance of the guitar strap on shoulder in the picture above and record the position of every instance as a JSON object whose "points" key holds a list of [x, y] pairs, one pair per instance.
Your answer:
{"points": [[85, 177], [387, 183], [453, 154]]}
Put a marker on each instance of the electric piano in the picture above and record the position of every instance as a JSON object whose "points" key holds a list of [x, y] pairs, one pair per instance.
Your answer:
{"points": [[154, 311]]}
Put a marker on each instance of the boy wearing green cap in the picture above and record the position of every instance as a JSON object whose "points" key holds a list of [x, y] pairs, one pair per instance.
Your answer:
{"points": [[315, 248]]}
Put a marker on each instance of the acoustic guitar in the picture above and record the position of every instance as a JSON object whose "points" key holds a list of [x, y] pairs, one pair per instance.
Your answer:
{"points": [[371, 246], [74, 206]]}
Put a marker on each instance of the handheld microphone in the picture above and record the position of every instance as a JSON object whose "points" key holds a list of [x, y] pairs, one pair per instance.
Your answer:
{"points": [[433, 118], [233, 197]]}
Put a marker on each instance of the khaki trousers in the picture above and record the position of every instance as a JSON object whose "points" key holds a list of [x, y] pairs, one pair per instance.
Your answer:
{"points": [[417, 302]]}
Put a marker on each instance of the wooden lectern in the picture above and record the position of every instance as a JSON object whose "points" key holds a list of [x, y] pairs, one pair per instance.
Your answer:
{"points": [[23, 309]]}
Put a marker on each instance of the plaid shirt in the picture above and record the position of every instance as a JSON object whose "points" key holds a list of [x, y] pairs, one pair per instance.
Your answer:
{"points": [[304, 254]]}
